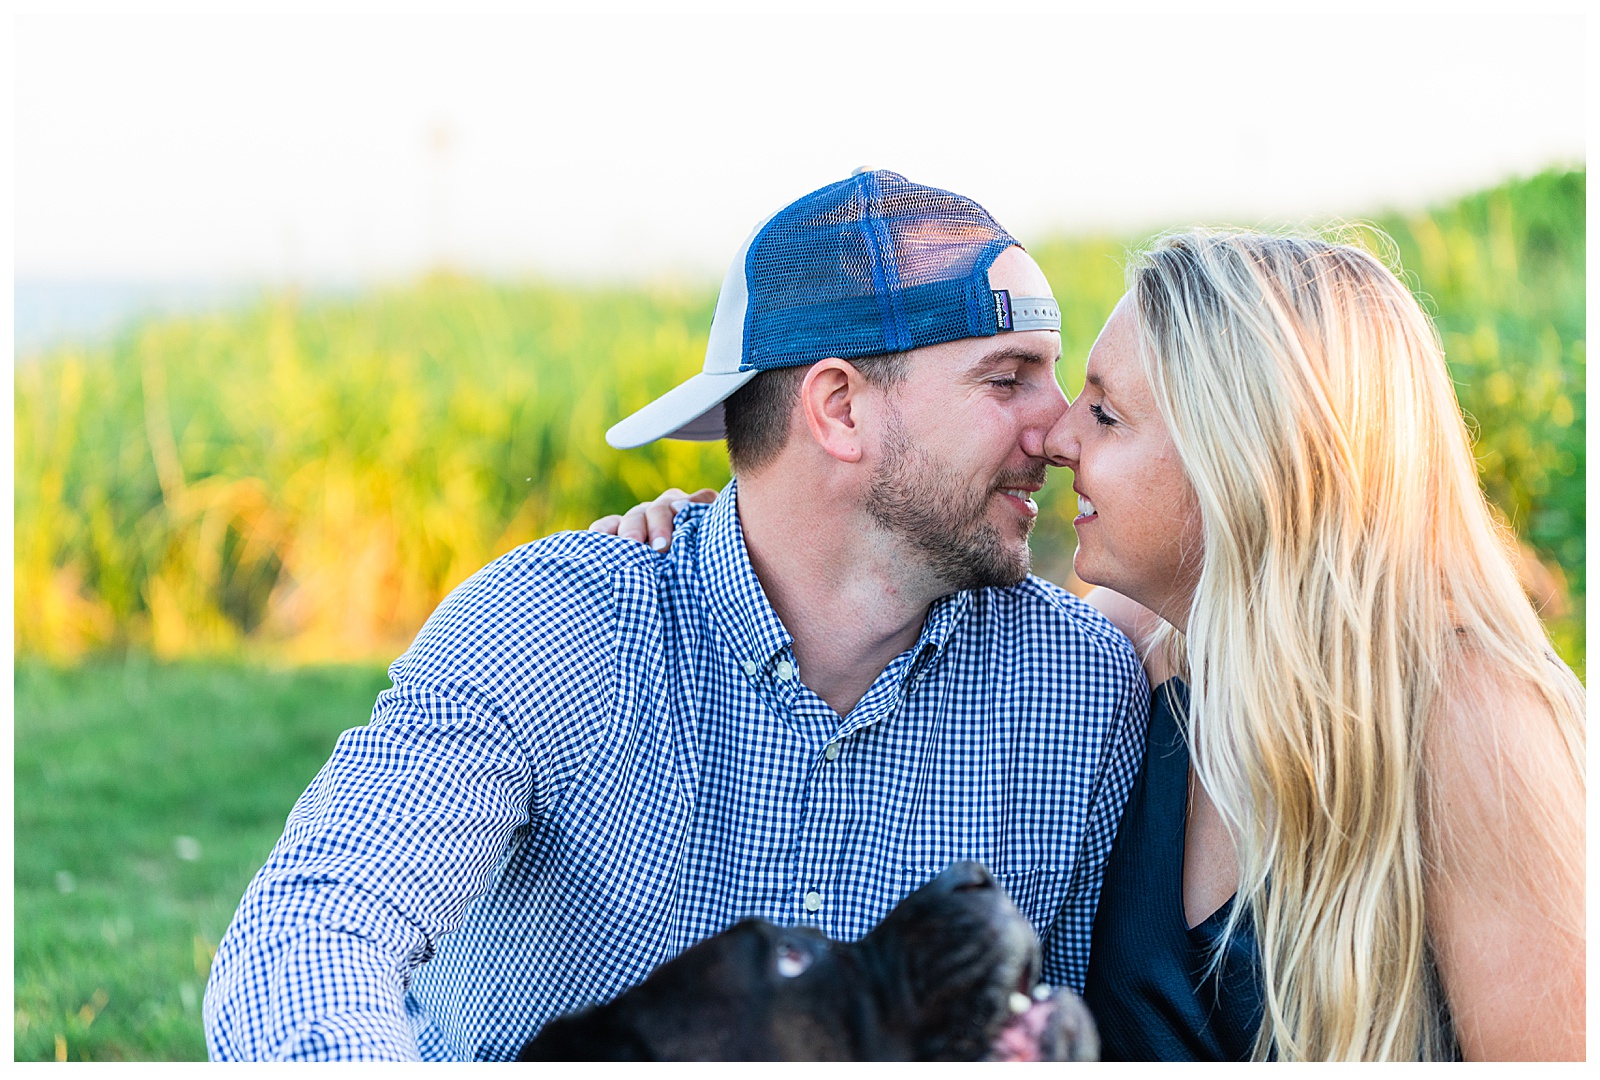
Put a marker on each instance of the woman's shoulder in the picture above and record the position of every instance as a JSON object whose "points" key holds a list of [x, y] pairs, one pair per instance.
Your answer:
{"points": [[1502, 754], [1504, 845], [1139, 624], [1485, 711]]}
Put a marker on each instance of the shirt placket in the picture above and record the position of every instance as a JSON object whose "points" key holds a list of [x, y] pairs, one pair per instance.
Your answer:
{"points": [[821, 838]]}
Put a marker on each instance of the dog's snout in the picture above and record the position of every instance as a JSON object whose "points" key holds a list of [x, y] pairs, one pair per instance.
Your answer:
{"points": [[964, 876]]}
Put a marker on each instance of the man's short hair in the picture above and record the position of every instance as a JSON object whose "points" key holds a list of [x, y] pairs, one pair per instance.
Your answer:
{"points": [[758, 414]]}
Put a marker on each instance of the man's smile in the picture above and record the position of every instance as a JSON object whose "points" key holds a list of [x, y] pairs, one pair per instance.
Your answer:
{"points": [[1023, 497]]}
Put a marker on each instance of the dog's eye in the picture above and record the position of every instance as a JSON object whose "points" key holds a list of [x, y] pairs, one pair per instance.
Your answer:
{"points": [[792, 960]]}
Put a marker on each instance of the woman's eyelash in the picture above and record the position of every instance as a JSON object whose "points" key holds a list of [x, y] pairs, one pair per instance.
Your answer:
{"points": [[1100, 416]]}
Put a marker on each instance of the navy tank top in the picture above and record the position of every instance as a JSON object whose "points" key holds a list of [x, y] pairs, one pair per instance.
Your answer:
{"points": [[1150, 987]]}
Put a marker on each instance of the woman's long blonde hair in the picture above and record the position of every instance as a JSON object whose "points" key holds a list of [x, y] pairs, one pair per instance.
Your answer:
{"points": [[1351, 563]]}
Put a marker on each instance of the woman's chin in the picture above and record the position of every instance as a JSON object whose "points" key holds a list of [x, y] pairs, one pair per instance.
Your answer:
{"points": [[1083, 565]]}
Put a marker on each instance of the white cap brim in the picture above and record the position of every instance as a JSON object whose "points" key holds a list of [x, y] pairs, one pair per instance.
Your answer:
{"points": [[693, 410], [690, 410]]}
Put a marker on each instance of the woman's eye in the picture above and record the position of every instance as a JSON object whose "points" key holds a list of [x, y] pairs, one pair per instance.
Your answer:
{"points": [[792, 960], [1100, 416]]}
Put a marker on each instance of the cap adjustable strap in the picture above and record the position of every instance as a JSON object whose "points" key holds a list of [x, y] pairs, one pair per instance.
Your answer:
{"points": [[1025, 312]]}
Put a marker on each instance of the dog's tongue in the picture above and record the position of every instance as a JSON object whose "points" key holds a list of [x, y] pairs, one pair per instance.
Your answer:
{"points": [[1020, 1039]]}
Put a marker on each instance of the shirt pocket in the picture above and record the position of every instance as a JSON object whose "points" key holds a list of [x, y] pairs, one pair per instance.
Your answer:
{"points": [[1038, 891]]}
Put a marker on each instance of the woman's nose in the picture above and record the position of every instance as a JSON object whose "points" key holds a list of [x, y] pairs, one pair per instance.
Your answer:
{"points": [[1061, 441]]}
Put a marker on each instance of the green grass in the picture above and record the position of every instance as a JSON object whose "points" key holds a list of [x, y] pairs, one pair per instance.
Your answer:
{"points": [[115, 761]]}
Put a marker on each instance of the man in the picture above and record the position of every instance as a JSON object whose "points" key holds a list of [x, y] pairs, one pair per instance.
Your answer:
{"points": [[838, 681]]}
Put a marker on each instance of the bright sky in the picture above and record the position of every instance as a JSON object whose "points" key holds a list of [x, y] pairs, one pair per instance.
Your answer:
{"points": [[352, 147]]}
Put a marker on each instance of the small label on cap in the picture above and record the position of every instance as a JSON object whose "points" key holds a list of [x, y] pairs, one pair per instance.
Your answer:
{"points": [[1025, 312]]}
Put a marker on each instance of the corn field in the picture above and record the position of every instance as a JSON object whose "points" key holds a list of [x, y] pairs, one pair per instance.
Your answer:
{"points": [[306, 478]]}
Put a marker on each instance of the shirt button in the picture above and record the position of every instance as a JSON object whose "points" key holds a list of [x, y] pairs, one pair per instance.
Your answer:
{"points": [[831, 751], [749, 666], [813, 900], [785, 670]]}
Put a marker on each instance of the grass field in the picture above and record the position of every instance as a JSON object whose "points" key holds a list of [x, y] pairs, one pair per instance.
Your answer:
{"points": [[147, 795]]}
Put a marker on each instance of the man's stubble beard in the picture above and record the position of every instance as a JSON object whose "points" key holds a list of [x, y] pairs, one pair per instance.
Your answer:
{"points": [[930, 506]]}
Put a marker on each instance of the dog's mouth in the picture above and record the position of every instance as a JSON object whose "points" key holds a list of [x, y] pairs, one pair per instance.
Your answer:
{"points": [[1021, 1036]]}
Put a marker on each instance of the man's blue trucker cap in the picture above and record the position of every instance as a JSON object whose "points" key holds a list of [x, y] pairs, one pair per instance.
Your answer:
{"points": [[873, 264]]}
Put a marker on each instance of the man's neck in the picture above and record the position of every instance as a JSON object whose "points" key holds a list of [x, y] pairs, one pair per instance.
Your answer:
{"points": [[848, 595]]}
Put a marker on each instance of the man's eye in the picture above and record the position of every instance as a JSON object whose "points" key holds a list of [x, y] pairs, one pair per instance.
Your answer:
{"points": [[1005, 381], [792, 960]]}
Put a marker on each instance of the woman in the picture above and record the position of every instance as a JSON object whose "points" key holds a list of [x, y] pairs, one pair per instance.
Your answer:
{"points": [[1364, 787]]}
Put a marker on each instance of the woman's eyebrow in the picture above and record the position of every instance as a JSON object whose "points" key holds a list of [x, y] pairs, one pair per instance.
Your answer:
{"points": [[1108, 389]]}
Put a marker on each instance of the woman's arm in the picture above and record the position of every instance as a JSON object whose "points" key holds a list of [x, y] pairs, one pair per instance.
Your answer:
{"points": [[1505, 885]]}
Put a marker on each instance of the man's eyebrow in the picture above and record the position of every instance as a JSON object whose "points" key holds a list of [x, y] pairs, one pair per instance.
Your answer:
{"points": [[1011, 352]]}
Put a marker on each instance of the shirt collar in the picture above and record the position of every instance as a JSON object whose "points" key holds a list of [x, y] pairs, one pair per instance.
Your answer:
{"points": [[942, 619], [754, 631]]}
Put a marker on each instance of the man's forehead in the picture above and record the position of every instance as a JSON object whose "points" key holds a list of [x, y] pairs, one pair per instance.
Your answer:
{"points": [[1014, 269]]}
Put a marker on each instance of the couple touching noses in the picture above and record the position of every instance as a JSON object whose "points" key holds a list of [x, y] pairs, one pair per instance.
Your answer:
{"points": [[923, 486], [1358, 829]]}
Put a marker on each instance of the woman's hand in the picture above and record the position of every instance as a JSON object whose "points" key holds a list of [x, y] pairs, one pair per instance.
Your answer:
{"points": [[651, 522]]}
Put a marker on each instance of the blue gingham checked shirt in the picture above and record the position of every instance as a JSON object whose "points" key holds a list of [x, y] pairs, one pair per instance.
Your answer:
{"points": [[594, 755]]}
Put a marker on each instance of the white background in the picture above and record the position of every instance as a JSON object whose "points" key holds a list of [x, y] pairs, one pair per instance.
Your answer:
{"points": [[361, 146]]}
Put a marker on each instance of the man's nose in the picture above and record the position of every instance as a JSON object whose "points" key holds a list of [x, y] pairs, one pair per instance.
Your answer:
{"points": [[1035, 439]]}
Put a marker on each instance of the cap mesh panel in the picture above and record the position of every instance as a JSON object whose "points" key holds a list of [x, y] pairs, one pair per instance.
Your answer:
{"points": [[873, 264]]}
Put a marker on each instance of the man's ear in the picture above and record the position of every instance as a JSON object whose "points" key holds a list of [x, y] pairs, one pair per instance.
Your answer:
{"points": [[830, 402]]}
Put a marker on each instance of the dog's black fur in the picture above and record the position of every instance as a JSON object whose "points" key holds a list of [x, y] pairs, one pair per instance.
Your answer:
{"points": [[936, 980]]}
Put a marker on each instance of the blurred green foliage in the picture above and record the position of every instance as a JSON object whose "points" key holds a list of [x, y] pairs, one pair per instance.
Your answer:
{"points": [[308, 478], [1502, 273], [317, 476]]}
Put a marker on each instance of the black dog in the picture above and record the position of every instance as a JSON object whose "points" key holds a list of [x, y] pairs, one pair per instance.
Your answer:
{"points": [[948, 975]]}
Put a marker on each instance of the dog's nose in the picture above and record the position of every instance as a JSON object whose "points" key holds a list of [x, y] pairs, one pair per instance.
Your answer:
{"points": [[966, 875]]}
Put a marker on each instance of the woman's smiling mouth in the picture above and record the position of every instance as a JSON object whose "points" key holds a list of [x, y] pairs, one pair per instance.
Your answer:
{"points": [[1086, 510]]}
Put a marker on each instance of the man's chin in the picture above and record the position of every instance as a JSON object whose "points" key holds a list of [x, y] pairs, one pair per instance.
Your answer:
{"points": [[995, 568]]}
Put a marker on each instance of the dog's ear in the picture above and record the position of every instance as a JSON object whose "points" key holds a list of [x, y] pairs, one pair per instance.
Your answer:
{"points": [[590, 1035]]}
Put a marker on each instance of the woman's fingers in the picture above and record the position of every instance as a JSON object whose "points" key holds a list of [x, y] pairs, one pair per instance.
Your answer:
{"points": [[651, 523], [658, 515], [658, 521], [633, 524]]}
